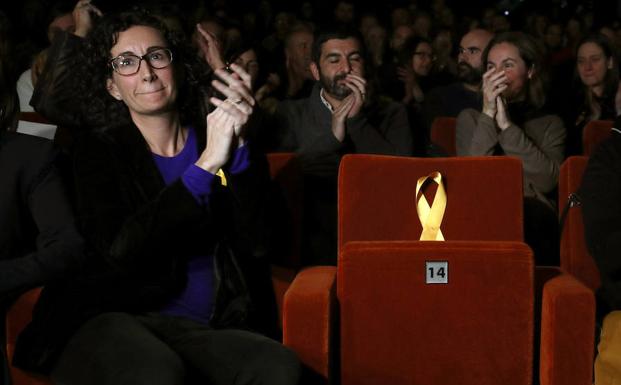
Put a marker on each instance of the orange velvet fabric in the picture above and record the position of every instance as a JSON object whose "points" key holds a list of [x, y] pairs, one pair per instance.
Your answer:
{"points": [[443, 134], [575, 258], [310, 317], [396, 329], [287, 185], [567, 330], [17, 317], [287, 190], [594, 132], [376, 198]]}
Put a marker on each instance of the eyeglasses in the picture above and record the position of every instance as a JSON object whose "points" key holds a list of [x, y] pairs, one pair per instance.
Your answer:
{"points": [[426, 55], [129, 64], [470, 50]]}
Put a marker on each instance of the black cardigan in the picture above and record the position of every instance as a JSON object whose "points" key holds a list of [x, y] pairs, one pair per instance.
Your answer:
{"points": [[38, 236], [142, 233], [601, 208]]}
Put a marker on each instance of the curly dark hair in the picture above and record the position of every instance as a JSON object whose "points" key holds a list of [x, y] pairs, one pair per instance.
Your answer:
{"points": [[101, 110]]}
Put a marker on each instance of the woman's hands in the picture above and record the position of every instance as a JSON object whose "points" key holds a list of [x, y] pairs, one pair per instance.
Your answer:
{"points": [[210, 48], [225, 123], [83, 17], [494, 106]]}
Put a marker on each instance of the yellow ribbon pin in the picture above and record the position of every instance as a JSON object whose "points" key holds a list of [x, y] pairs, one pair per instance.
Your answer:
{"points": [[431, 217], [220, 173]]}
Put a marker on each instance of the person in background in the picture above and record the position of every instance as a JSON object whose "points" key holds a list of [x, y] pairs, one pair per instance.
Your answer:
{"points": [[450, 100], [39, 240], [513, 122], [599, 95], [417, 59], [342, 115], [600, 195]]}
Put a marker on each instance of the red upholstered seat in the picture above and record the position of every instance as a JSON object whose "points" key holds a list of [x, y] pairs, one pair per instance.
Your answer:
{"points": [[594, 132], [443, 134], [479, 328], [575, 258], [17, 317], [287, 183]]}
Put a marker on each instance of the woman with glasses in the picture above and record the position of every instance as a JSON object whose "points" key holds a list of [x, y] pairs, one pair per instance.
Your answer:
{"points": [[513, 122], [169, 199]]}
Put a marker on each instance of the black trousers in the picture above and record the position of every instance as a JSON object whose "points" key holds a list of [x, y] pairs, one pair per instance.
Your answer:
{"points": [[155, 349]]}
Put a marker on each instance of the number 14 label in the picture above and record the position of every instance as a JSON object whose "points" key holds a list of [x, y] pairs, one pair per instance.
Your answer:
{"points": [[436, 272]]}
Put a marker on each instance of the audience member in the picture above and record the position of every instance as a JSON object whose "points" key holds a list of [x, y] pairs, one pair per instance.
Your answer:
{"points": [[170, 201], [422, 25], [9, 101], [450, 100], [445, 66], [600, 194], [344, 13], [599, 93], [513, 123], [54, 95], [416, 61], [39, 242], [298, 44], [340, 116]]}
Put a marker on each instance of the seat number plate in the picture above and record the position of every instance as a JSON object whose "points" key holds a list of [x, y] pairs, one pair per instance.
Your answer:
{"points": [[436, 272]]}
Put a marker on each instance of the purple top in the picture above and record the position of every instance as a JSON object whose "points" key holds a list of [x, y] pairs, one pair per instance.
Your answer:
{"points": [[196, 300]]}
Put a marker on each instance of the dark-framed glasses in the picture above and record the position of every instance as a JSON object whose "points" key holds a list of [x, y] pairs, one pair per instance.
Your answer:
{"points": [[129, 64]]}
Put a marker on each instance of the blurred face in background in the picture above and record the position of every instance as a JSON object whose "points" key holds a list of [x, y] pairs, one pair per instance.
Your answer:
{"points": [[298, 54], [248, 61], [422, 60], [554, 36], [61, 23], [399, 36], [593, 64], [471, 46]]}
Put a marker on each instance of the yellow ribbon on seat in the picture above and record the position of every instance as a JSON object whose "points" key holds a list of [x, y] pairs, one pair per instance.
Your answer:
{"points": [[220, 173], [431, 217]]}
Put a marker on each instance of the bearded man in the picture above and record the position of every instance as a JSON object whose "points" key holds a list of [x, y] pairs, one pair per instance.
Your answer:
{"points": [[450, 100], [341, 116]]}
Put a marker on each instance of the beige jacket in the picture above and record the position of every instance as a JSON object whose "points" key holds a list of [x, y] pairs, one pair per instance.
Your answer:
{"points": [[540, 144]]}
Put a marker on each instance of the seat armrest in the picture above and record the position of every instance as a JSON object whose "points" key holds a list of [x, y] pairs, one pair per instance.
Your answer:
{"points": [[567, 330], [308, 314]]}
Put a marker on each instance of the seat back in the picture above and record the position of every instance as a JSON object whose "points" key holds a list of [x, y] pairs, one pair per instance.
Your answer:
{"points": [[288, 192], [575, 258], [594, 132], [288, 200], [397, 329], [376, 198], [17, 317], [443, 134]]}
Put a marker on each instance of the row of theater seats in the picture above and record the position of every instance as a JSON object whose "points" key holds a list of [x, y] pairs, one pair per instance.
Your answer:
{"points": [[373, 319], [443, 134]]}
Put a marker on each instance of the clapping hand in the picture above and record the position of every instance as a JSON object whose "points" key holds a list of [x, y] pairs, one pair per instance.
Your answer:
{"points": [[225, 124]]}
